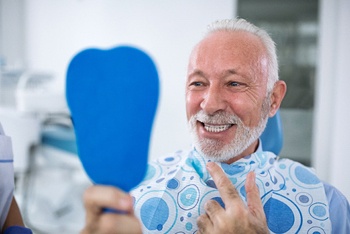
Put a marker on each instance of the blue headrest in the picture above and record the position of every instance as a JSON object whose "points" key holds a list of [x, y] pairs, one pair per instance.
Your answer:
{"points": [[272, 137]]}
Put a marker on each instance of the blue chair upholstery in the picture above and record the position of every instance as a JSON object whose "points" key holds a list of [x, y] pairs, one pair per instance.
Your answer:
{"points": [[272, 137]]}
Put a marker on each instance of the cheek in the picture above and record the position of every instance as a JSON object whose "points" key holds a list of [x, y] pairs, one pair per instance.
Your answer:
{"points": [[249, 106], [246, 110], [192, 104]]}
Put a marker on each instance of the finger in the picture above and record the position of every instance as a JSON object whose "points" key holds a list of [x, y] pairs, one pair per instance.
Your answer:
{"points": [[98, 197], [204, 224], [226, 189], [213, 210], [114, 223], [253, 196]]}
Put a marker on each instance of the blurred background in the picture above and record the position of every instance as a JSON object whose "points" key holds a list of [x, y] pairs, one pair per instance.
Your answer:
{"points": [[38, 38]]}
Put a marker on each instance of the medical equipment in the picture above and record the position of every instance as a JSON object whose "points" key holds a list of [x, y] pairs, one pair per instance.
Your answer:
{"points": [[50, 180], [38, 92], [55, 181]]}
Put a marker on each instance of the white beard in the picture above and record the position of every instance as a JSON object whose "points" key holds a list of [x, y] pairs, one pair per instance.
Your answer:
{"points": [[217, 150]]}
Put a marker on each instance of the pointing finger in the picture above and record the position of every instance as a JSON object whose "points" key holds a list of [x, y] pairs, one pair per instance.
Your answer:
{"points": [[226, 189]]}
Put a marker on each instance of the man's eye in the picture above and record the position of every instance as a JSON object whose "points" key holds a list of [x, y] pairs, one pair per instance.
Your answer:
{"points": [[234, 84], [197, 84]]}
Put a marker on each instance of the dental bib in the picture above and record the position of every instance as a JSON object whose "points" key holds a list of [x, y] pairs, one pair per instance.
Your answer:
{"points": [[177, 186]]}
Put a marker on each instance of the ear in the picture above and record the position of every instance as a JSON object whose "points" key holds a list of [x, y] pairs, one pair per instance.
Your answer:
{"points": [[276, 96]]}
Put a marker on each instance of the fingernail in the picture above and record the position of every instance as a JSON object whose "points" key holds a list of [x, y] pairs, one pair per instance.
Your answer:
{"points": [[252, 176], [210, 165], [250, 180], [124, 203]]}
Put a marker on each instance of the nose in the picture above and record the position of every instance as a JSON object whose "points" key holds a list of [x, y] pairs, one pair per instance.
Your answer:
{"points": [[213, 101]]}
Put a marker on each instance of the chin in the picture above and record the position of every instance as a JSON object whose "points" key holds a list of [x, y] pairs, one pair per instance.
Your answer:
{"points": [[217, 152], [220, 158]]}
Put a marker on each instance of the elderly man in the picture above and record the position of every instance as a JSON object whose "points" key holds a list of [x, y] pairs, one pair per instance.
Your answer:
{"points": [[226, 183]]}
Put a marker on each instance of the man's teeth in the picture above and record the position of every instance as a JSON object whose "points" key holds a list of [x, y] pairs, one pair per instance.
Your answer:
{"points": [[216, 128]]}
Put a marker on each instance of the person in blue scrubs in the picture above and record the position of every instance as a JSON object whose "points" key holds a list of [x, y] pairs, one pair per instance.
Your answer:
{"points": [[10, 216], [232, 88]]}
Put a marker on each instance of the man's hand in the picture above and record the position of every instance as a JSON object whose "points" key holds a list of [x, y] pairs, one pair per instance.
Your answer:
{"points": [[96, 198], [236, 217]]}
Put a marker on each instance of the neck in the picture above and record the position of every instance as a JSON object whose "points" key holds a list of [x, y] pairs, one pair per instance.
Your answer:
{"points": [[250, 150]]}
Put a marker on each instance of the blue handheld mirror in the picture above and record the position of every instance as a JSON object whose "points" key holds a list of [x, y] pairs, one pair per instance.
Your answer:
{"points": [[112, 96]]}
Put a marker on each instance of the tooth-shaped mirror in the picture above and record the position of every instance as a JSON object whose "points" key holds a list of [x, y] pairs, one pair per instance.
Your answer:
{"points": [[112, 96]]}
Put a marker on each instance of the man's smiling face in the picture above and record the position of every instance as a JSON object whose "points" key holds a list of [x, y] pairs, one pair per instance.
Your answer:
{"points": [[226, 94]]}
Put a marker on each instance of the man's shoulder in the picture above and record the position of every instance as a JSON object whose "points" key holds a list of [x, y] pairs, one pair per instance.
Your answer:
{"points": [[332, 193], [290, 161], [339, 209], [301, 175], [280, 161], [335, 196]]}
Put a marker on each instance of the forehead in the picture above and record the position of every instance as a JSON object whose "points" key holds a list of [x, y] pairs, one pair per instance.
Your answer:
{"points": [[223, 50]]}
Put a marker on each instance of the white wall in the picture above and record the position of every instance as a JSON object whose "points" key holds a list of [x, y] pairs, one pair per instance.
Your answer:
{"points": [[11, 34], [331, 145], [166, 29]]}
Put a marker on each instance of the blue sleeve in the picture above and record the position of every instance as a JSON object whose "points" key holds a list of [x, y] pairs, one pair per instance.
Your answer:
{"points": [[339, 210], [18, 230]]}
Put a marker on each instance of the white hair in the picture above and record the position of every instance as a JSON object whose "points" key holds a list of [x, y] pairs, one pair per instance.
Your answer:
{"points": [[243, 25]]}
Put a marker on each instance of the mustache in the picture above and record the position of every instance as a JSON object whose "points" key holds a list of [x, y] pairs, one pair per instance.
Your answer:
{"points": [[217, 118]]}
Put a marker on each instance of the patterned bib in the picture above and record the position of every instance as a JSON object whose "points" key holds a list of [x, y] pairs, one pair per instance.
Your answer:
{"points": [[176, 187]]}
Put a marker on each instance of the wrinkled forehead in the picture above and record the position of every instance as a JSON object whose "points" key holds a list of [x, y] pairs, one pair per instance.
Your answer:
{"points": [[235, 42], [230, 48]]}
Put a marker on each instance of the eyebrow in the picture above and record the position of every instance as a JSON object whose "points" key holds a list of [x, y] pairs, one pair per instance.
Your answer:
{"points": [[230, 72], [200, 73], [197, 72]]}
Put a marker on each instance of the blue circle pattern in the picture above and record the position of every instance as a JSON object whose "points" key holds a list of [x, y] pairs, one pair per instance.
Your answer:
{"points": [[162, 210], [274, 209], [318, 211], [188, 197], [179, 186], [173, 184], [305, 176], [304, 199], [316, 230], [157, 212]]}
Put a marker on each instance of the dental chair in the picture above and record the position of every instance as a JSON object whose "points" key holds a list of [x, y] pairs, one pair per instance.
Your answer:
{"points": [[272, 137]]}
